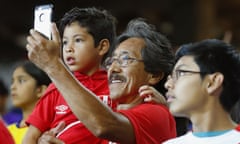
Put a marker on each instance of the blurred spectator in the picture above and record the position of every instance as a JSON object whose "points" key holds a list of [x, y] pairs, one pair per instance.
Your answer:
{"points": [[27, 86], [13, 114]]}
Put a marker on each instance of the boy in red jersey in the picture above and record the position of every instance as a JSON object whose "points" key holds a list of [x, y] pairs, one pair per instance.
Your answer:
{"points": [[87, 35]]}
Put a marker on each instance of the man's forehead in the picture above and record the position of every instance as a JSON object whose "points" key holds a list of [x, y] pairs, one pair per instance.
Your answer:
{"points": [[120, 52], [130, 46]]}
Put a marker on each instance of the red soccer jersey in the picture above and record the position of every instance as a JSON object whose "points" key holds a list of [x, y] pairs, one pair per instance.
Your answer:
{"points": [[152, 123], [5, 135], [52, 108]]}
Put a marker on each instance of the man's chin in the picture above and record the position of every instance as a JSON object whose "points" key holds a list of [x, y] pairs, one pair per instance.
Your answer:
{"points": [[115, 96]]}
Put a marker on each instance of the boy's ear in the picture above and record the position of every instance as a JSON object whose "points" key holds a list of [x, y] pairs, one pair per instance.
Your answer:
{"points": [[103, 46], [41, 89], [155, 78], [215, 82]]}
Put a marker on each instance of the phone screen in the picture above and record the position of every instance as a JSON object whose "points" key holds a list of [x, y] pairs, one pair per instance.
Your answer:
{"points": [[42, 19]]}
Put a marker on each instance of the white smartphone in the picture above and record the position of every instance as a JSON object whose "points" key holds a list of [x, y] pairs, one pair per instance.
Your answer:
{"points": [[42, 19]]}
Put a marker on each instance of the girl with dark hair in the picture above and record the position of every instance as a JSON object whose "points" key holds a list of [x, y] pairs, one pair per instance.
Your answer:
{"points": [[27, 86]]}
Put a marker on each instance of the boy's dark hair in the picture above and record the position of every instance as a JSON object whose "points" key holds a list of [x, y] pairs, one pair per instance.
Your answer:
{"points": [[40, 76], [99, 23], [157, 54], [214, 55]]}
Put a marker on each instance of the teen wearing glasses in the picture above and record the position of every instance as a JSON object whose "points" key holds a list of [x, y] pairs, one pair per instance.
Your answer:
{"points": [[142, 57], [204, 86]]}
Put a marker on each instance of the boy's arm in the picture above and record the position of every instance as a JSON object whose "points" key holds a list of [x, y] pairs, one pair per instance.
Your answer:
{"points": [[32, 135]]}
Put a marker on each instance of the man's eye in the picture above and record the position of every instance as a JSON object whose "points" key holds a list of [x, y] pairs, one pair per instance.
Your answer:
{"points": [[125, 57], [181, 73]]}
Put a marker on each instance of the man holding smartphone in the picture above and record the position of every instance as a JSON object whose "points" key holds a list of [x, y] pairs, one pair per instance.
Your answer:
{"points": [[142, 57]]}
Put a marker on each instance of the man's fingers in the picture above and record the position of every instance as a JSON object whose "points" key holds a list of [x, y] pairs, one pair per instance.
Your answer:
{"points": [[54, 140], [36, 35], [58, 128], [48, 139], [55, 33]]}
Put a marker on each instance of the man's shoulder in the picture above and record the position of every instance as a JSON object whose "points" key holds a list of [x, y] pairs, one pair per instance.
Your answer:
{"points": [[148, 110], [152, 107]]}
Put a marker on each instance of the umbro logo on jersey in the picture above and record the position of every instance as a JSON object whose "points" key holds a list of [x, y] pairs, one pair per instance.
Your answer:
{"points": [[61, 109]]}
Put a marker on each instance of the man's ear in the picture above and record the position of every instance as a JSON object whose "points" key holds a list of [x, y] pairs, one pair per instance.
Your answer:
{"points": [[155, 78], [103, 46], [215, 82]]}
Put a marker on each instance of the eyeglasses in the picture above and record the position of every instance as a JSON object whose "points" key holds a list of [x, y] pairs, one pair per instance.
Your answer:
{"points": [[176, 74], [122, 61]]}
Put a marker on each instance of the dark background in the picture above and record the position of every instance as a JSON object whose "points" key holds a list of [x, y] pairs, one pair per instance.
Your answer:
{"points": [[182, 21]]}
